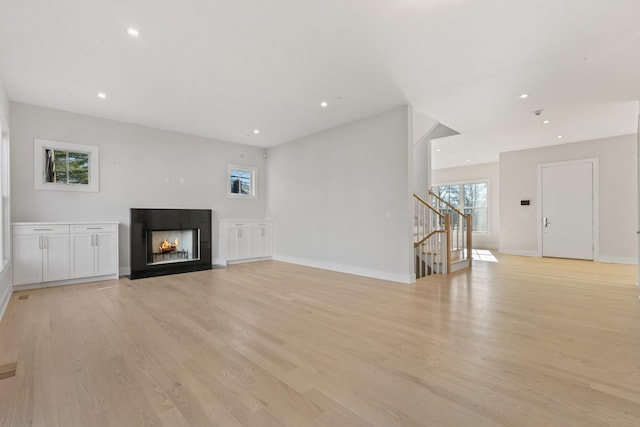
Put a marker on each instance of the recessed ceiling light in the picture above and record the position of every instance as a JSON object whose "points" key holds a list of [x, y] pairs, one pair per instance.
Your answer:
{"points": [[102, 95], [546, 122], [560, 136], [438, 150], [133, 32], [256, 131], [324, 104], [524, 95], [468, 161]]}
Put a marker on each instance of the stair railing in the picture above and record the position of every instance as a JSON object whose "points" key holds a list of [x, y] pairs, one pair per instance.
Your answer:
{"points": [[431, 239], [461, 231]]}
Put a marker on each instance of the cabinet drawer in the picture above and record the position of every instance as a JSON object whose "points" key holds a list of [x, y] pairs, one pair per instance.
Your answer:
{"points": [[26, 230], [94, 228]]}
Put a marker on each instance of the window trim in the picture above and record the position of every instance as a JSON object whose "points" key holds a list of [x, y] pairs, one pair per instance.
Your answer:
{"points": [[5, 222], [474, 181], [254, 181], [39, 145]]}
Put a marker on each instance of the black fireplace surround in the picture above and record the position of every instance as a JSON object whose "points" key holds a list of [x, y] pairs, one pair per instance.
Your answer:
{"points": [[145, 222]]}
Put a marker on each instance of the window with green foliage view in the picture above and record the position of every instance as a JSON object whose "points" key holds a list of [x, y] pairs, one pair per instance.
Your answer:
{"points": [[66, 167]]}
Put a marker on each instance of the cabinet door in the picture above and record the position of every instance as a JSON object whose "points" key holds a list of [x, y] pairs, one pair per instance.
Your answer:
{"points": [[81, 255], [262, 238], [232, 243], [238, 242], [55, 260], [244, 243], [266, 241], [27, 259], [105, 254]]}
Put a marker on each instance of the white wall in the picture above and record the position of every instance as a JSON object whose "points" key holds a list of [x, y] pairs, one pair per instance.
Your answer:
{"points": [[618, 195], [340, 199], [421, 167], [5, 265], [421, 125], [139, 167], [487, 171]]}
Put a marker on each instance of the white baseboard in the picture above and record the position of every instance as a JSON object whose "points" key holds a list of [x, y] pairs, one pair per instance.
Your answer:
{"points": [[519, 252], [246, 260], [348, 269], [64, 282], [617, 260]]}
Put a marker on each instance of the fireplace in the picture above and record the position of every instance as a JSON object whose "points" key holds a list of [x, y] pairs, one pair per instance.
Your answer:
{"points": [[169, 241]]}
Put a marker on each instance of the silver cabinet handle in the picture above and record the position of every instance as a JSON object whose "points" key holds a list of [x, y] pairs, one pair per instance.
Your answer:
{"points": [[43, 229], [94, 228], [46, 242]]}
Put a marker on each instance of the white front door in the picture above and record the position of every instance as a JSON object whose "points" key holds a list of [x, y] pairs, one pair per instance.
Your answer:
{"points": [[567, 210]]}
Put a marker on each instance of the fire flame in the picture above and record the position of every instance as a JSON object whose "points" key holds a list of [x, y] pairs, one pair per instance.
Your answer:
{"points": [[166, 245]]}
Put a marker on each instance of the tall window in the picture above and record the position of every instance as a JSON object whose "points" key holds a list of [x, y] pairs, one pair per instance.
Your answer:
{"points": [[470, 198]]}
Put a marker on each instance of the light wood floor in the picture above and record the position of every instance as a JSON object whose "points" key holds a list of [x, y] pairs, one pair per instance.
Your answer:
{"points": [[520, 342]]}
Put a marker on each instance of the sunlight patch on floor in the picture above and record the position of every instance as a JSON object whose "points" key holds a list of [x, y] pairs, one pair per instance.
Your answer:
{"points": [[483, 255]]}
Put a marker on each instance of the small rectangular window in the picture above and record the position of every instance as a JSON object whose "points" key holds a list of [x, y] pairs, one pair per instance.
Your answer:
{"points": [[65, 166], [241, 182]]}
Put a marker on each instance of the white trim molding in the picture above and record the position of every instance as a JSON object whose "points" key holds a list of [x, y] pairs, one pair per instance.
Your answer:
{"points": [[617, 260], [519, 252], [356, 271]]}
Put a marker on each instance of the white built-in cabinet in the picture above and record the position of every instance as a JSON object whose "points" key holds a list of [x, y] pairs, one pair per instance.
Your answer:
{"points": [[52, 254], [245, 240], [94, 250]]}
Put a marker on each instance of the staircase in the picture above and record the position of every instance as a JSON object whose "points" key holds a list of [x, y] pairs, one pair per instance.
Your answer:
{"points": [[442, 237]]}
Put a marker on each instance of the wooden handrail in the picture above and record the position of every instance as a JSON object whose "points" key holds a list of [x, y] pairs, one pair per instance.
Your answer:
{"points": [[434, 210], [446, 203], [415, 245]]}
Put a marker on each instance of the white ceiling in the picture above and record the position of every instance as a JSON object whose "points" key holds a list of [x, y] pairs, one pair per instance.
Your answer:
{"points": [[223, 68]]}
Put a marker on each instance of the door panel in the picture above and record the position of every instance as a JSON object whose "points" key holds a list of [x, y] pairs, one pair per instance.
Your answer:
{"points": [[27, 259], [567, 211], [81, 255], [55, 260], [106, 254]]}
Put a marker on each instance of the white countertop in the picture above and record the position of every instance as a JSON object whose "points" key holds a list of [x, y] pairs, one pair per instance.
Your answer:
{"points": [[40, 223]]}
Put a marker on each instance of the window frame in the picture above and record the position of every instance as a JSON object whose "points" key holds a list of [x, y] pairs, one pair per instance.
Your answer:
{"points": [[462, 183], [253, 194], [5, 236], [39, 162]]}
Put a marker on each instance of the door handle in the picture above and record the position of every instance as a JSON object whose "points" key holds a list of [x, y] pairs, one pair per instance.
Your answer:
{"points": [[546, 222]]}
